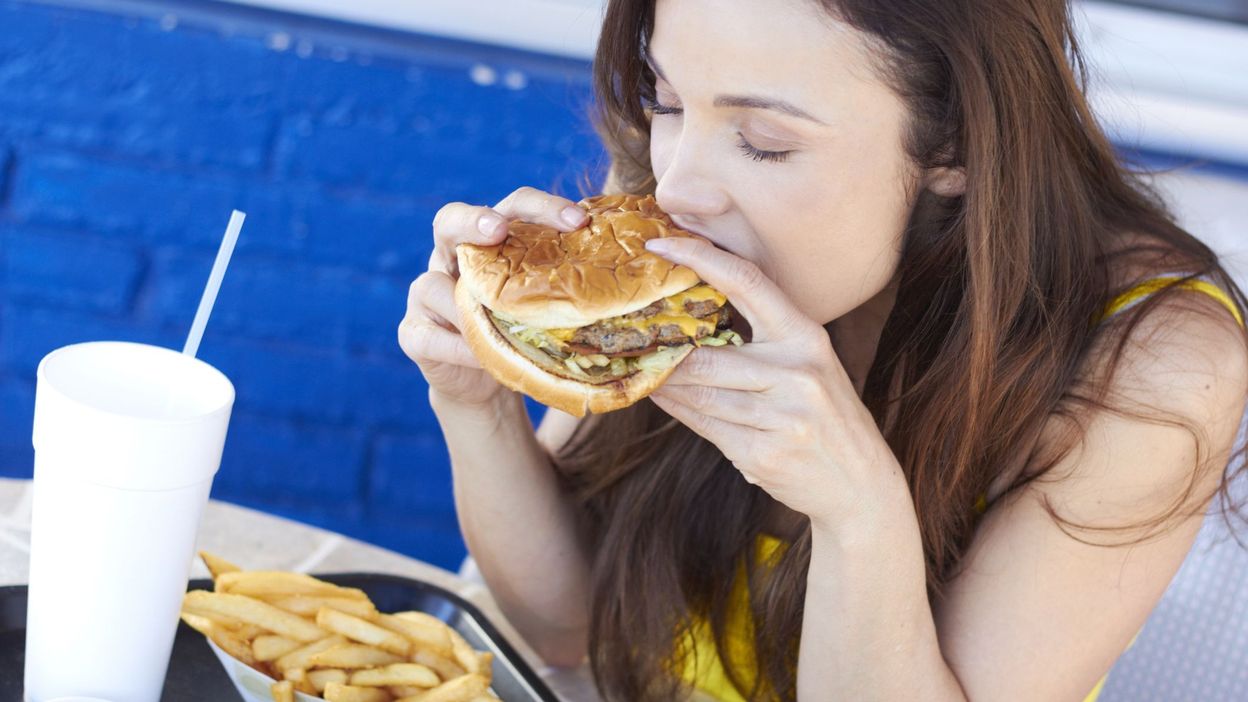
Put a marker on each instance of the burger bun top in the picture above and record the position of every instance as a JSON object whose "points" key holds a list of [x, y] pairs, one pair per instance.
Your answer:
{"points": [[548, 279]]}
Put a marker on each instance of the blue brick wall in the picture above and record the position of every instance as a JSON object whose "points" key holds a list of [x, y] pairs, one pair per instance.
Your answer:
{"points": [[127, 136]]}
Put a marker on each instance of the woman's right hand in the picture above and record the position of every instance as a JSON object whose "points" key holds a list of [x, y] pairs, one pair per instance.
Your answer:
{"points": [[429, 332]]}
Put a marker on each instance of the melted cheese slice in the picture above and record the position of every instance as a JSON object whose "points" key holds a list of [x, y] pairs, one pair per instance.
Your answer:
{"points": [[673, 314], [698, 293]]}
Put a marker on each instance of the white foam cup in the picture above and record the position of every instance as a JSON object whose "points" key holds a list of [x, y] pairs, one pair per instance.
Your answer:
{"points": [[127, 440]]}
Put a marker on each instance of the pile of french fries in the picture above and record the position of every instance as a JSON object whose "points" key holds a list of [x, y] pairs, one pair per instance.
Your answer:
{"points": [[330, 641]]}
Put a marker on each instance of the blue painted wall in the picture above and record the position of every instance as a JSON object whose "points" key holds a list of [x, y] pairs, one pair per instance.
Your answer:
{"points": [[128, 133]]}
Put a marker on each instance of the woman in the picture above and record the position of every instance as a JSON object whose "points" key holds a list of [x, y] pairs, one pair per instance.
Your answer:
{"points": [[991, 387]]}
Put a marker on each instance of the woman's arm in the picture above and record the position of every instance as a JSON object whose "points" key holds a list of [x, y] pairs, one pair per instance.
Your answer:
{"points": [[1035, 614], [519, 526]]}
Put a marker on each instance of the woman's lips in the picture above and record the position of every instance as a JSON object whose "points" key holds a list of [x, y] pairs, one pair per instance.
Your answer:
{"points": [[702, 232]]}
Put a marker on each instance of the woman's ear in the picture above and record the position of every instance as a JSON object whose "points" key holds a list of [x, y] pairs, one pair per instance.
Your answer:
{"points": [[946, 181]]}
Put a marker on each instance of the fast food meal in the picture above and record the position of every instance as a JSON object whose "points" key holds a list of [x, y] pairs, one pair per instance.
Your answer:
{"points": [[329, 641], [587, 320]]}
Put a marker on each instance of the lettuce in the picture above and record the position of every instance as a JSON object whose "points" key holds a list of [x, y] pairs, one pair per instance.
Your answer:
{"points": [[722, 338], [660, 359]]}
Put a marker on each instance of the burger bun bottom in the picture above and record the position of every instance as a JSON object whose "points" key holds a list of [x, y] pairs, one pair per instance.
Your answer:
{"points": [[523, 368]]}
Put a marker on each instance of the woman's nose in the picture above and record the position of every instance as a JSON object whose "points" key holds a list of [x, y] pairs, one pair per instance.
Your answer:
{"points": [[687, 186]]}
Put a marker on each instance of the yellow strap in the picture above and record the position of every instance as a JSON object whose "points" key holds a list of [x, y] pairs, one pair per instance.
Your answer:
{"points": [[1152, 285]]}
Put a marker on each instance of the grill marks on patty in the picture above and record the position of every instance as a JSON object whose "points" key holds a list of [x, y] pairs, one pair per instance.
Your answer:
{"points": [[610, 340], [700, 308], [606, 339], [649, 311]]}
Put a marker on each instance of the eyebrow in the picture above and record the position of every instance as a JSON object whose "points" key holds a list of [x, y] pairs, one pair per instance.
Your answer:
{"points": [[748, 101]]}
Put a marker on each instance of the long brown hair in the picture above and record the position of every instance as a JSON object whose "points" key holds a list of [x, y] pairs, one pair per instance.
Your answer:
{"points": [[989, 336]]}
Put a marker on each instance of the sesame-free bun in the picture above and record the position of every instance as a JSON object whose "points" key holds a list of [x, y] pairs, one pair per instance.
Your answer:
{"points": [[548, 279], [525, 369]]}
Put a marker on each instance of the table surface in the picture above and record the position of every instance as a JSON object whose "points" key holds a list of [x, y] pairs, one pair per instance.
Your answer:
{"points": [[255, 540]]}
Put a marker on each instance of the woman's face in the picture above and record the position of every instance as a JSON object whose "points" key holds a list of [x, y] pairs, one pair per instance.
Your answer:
{"points": [[784, 146]]}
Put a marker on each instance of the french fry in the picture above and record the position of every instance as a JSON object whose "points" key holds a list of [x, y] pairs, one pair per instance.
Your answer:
{"points": [[299, 676], [337, 692], [485, 665], [283, 691], [248, 631], [270, 647], [465, 656], [422, 618], [323, 676], [461, 689], [259, 583], [251, 611], [444, 667], [219, 620], [233, 645], [223, 637], [201, 624], [217, 565], [302, 657], [308, 605], [229, 623], [321, 638], [353, 656], [234, 626], [425, 632], [363, 631], [415, 615], [413, 674]]}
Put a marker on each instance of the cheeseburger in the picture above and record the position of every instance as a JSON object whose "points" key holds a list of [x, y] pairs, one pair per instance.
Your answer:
{"points": [[587, 320]]}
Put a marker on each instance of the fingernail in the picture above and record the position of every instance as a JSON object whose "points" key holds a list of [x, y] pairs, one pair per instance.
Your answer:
{"points": [[572, 216], [657, 246], [489, 224]]}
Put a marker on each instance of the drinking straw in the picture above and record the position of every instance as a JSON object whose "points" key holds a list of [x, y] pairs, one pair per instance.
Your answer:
{"points": [[214, 283]]}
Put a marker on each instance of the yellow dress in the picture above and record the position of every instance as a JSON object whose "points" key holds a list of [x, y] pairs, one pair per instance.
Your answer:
{"points": [[702, 668]]}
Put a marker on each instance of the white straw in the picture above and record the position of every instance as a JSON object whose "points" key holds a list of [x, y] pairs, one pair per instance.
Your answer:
{"points": [[214, 283]]}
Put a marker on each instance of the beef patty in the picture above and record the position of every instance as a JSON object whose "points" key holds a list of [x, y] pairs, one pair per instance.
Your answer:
{"points": [[609, 340]]}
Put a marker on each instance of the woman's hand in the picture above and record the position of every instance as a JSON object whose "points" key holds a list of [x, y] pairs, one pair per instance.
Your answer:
{"points": [[781, 407], [429, 332]]}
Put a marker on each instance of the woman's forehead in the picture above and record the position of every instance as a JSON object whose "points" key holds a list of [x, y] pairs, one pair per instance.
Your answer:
{"points": [[789, 48]]}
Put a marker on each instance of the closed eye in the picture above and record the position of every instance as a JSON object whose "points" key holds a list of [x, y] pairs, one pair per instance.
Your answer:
{"points": [[658, 109], [756, 154], [759, 154]]}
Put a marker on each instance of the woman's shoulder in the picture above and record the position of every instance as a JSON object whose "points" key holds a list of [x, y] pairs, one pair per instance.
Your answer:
{"points": [[1177, 376], [1186, 353], [1149, 425], [1173, 342], [1176, 346], [1170, 373]]}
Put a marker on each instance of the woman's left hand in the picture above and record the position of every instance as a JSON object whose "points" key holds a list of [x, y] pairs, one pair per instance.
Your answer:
{"points": [[781, 407]]}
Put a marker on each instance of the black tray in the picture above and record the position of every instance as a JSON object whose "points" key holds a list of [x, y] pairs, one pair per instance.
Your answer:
{"points": [[195, 674]]}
